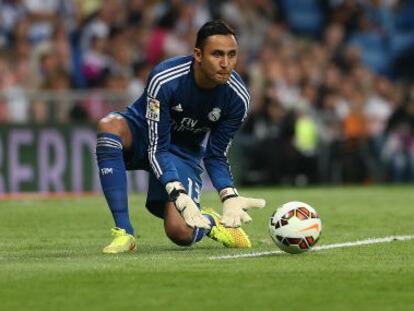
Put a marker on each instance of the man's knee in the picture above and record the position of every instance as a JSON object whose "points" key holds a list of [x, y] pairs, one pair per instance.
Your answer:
{"points": [[181, 235], [176, 228], [112, 123], [117, 125]]}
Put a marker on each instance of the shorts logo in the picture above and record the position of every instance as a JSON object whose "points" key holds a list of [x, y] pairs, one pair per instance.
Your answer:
{"points": [[107, 170], [153, 109], [214, 114]]}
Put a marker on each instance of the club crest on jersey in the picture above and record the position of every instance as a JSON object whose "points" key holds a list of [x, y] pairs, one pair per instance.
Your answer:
{"points": [[153, 109], [214, 114]]}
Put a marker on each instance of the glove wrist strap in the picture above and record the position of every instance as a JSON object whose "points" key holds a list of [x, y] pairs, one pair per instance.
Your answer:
{"points": [[228, 193], [174, 189]]}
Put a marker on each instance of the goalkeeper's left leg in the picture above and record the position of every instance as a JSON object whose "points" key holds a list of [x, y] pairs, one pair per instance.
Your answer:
{"points": [[181, 234], [177, 229], [159, 205]]}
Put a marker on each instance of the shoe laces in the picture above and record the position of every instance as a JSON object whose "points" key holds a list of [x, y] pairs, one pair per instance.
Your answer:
{"points": [[118, 232]]}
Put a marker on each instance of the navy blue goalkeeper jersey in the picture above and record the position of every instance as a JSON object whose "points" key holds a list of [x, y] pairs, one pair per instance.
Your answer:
{"points": [[179, 117]]}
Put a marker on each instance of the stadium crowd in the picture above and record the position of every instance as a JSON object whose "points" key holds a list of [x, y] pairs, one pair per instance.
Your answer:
{"points": [[331, 82]]}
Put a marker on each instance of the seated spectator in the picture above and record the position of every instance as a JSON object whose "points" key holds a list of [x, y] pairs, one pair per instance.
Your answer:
{"points": [[355, 137], [95, 61], [398, 151], [52, 106]]}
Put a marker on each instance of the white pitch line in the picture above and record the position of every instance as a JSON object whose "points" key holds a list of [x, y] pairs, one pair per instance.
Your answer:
{"points": [[323, 247]]}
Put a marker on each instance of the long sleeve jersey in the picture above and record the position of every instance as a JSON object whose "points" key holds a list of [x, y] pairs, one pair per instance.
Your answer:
{"points": [[196, 124]]}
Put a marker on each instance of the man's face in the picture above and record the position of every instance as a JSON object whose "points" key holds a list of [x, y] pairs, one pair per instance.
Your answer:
{"points": [[217, 59]]}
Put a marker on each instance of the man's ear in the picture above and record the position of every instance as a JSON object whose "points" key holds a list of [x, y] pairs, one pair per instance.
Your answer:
{"points": [[197, 55]]}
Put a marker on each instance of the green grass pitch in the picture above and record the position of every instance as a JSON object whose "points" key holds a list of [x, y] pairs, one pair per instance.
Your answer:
{"points": [[50, 258]]}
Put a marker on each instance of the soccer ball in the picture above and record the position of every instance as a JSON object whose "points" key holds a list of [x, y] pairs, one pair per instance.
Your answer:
{"points": [[295, 227]]}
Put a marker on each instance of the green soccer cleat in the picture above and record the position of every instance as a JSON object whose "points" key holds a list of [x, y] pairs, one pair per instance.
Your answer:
{"points": [[229, 237], [123, 242]]}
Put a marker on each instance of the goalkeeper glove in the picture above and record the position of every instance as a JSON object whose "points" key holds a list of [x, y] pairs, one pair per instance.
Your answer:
{"points": [[235, 206], [186, 206]]}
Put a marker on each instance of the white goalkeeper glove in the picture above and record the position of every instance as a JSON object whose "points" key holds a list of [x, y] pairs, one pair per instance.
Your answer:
{"points": [[235, 206], [186, 206]]}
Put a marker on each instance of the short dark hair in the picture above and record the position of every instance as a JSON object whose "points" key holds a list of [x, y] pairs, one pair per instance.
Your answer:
{"points": [[216, 27]]}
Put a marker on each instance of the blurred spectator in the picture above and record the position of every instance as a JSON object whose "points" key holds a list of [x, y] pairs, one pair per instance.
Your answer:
{"points": [[47, 61], [398, 152], [354, 152], [98, 104], [158, 36], [344, 12], [11, 12], [121, 52], [14, 105], [43, 14], [95, 61], [53, 108], [271, 132], [137, 83], [306, 142], [98, 24], [377, 111], [329, 120]]}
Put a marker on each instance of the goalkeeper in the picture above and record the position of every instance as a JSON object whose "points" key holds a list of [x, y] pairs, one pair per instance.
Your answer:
{"points": [[189, 112]]}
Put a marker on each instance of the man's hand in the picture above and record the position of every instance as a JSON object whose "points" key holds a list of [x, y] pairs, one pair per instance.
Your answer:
{"points": [[235, 206], [186, 206]]}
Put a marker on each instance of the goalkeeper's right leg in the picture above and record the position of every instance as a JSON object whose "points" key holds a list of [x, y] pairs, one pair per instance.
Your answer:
{"points": [[113, 137]]}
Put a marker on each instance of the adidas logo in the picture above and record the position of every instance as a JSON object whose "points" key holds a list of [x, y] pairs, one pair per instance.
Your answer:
{"points": [[177, 108]]}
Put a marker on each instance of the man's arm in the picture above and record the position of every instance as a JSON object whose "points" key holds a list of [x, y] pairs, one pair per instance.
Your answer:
{"points": [[215, 159], [218, 168], [158, 120]]}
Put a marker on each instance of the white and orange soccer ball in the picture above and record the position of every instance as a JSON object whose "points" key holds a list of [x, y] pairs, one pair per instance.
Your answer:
{"points": [[295, 227]]}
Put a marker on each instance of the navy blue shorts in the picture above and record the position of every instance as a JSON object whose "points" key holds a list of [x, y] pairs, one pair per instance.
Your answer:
{"points": [[189, 171], [189, 174]]}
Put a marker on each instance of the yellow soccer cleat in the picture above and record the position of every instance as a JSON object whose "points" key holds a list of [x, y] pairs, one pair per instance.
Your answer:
{"points": [[229, 237], [123, 242]]}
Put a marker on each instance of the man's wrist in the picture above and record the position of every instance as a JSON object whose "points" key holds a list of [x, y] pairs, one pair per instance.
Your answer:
{"points": [[174, 189], [228, 193]]}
